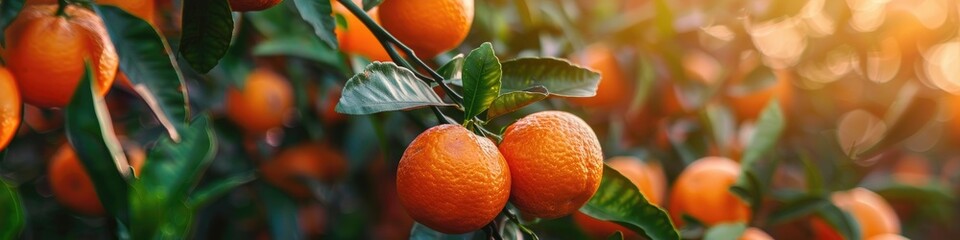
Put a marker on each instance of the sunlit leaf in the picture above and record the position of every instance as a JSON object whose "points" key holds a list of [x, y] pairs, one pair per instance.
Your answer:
{"points": [[797, 208], [481, 80], [559, 76], [385, 87], [175, 168], [725, 231], [145, 59], [320, 15], [90, 131], [619, 201], [298, 47], [770, 127], [9, 9], [11, 212], [646, 77], [207, 29], [453, 70], [512, 101]]}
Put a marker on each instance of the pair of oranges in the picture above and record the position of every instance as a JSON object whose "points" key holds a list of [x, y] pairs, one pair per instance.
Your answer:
{"points": [[451, 180], [429, 27]]}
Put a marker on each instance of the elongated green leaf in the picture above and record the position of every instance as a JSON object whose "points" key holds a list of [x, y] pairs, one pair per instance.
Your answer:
{"points": [[513, 101], [281, 213], [175, 168], [11, 212], [207, 28], [797, 208], [619, 201], [840, 220], [453, 70], [9, 9], [725, 231], [481, 80], [211, 192], [770, 127], [320, 15], [370, 4], [748, 188], [422, 232], [298, 47], [758, 79], [385, 87], [559, 76], [89, 129], [145, 58]]}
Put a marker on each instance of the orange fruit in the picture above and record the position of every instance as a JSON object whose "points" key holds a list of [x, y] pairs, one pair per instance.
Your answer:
{"points": [[647, 177], [874, 215], [555, 162], [46, 53], [328, 108], [702, 191], [429, 27], [452, 180], [888, 237], [312, 160], [252, 5], [263, 102], [143, 9], [748, 103], [72, 186], [614, 89], [913, 170], [356, 38], [40, 120], [755, 234], [10, 106]]}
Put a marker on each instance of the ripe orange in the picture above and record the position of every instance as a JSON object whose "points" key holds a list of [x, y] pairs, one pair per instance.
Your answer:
{"points": [[312, 160], [702, 191], [46, 53], [10, 106], [356, 38], [614, 89], [452, 180], [748, 103], [755, 234], [72, 186], [874, 215], [555, 162], [328, 108], [888, 237], [143, 9], [647, 177], [252, 5], [429, 27], [263, 102]]}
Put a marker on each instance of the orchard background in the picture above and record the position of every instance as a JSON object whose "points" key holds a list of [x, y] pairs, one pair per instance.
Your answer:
{"points": [[463, 119]]}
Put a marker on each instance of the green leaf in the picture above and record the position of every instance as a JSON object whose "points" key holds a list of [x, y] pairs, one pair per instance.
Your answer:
{"points": [[619, 201], [513, 101], [904, 118], [281, 213], [616, 236], [89, 129], [812, 175], [722, 125], [840, 220], [385, 87], [559, 76], [175, 168], [748, 188], [770, 127], [370, 4], [320, 15], [145, 58], [9, 9], [207, 28], [11, 212], [725, 231], [453, 70], [481, 80], [211, 192], [646, 77], [421, 232], [797, 208], [298, 47], [759, 78]]}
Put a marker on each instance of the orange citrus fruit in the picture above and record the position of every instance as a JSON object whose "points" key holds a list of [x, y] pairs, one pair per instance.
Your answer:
{"points": [[614, 89], [749, 101], [452, 180], [312, 160], [263, 102], [647, 177], [888, 237], [72, 186], [874, 215], [356, 38], [46, 53], [702, 191], [252, 5], [912, 169], [429, 27], [555, 162], [755, 234], [10, 108], [143, 9]]}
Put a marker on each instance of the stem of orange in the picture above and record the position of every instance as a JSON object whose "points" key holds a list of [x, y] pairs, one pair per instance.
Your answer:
{"points": [[62, 8]]}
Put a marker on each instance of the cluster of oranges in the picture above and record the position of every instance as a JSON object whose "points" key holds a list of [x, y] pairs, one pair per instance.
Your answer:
{"points": [[548, 165]]}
